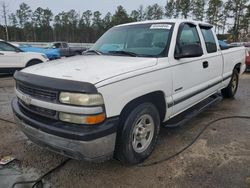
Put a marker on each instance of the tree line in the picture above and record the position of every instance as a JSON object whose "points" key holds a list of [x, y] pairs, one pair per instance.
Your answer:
{"points": [[231, 19]]}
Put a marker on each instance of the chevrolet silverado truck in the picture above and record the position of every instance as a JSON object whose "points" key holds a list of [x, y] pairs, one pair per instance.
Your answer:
{"points": [[112, 101], [13, 58]]}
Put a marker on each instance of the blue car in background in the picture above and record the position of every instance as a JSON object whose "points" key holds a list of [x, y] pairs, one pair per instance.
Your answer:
{"points": [[49, 52], [223, 45]]}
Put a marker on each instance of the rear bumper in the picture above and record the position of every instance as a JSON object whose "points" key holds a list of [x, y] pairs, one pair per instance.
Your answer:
{"points": [[85, 145]]}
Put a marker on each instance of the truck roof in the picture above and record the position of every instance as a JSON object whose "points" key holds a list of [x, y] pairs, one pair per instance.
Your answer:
{"points": [[177, 21]]}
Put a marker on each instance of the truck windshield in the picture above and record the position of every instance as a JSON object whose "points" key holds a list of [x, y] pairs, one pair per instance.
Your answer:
{"points": [[142, 40]]}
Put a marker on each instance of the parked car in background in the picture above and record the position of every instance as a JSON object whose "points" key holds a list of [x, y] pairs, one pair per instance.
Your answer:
{"points": [[51, 54], [13, 58], [248, 57], [236, 44], [223, 45], [66, 50], [246, 44]]}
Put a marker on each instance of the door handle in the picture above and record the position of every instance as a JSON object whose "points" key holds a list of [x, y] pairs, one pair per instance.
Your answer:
{"points": [[205, 64]]}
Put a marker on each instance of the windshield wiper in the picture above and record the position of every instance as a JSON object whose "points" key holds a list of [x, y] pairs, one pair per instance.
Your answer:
{"points": [[93, 51], [124, 53]]}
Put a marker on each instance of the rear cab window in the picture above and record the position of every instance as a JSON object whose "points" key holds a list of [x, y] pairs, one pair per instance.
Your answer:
{"points": [[209, 39]]}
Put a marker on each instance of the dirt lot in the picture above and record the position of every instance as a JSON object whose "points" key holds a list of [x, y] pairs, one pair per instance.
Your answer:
{"points": [[220, 157]]}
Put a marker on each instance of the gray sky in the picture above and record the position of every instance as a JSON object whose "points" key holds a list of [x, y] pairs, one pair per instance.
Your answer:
{"points": [[103, 6]]}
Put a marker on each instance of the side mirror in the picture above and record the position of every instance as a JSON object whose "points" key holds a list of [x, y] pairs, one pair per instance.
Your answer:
{"points": [[189, 51]]}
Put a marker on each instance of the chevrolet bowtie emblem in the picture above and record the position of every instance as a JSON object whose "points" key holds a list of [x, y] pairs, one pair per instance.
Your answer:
{"points": [[26, 99]]}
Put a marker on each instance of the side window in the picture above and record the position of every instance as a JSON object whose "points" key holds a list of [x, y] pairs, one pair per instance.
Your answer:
{"points": [[189, 35], [57, 45], [209, 40], [64, 45], [6, 47]]}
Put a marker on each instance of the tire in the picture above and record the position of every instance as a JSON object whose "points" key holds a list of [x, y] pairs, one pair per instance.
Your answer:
{"points": [[138, 134], [231, 89], [33, 62]]}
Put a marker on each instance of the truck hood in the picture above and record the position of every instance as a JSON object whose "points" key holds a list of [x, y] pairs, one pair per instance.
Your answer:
{"points": [[90, 68]]}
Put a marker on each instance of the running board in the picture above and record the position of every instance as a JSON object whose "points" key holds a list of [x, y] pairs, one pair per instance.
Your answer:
{"points": [[192, 112]]}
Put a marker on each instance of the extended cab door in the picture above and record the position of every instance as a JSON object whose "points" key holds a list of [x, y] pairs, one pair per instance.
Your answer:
{"points": [[10, 56], [213, 57], [191, 75]]}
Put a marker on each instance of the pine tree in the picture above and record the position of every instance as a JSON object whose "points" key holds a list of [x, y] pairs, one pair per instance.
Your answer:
{"points": [[238, 8], [169, 9], [154, 12], [138, 15], [213, 12], [225, 15], [177, 8], [185, 6], [198, 9]]}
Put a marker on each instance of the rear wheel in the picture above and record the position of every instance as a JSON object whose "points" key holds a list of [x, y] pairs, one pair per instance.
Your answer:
{"points": [[231, 89], [33, 62], [138, 135]]}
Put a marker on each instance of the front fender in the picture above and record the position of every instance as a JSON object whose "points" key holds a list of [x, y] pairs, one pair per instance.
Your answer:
{"points": [[116, 95]]}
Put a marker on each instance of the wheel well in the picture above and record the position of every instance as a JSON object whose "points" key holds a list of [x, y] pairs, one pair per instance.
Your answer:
{"points": [[157, 98], [237, 67], [32, 60]]}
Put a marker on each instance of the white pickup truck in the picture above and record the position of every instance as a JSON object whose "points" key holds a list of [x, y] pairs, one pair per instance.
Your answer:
{"points": [[113, 100], [13, 58]]}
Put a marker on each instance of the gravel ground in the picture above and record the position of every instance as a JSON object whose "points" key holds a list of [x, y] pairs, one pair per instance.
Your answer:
{"points": [[219, 158]]}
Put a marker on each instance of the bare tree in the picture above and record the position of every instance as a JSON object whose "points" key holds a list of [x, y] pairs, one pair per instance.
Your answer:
{"points": [[4, 10]]}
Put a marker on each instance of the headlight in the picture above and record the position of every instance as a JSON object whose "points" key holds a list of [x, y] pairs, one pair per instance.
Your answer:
{"points": [[81, 99], [80, 119]]}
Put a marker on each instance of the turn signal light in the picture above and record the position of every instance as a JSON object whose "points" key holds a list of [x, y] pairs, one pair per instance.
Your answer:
{"points": [[82, 119]]}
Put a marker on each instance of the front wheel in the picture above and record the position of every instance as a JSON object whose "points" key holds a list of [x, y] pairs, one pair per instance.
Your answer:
{"points": [[138, 135], [231, 89]]}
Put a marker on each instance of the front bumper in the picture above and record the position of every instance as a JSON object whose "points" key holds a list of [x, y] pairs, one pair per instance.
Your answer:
{"points": [[92, 143]]}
